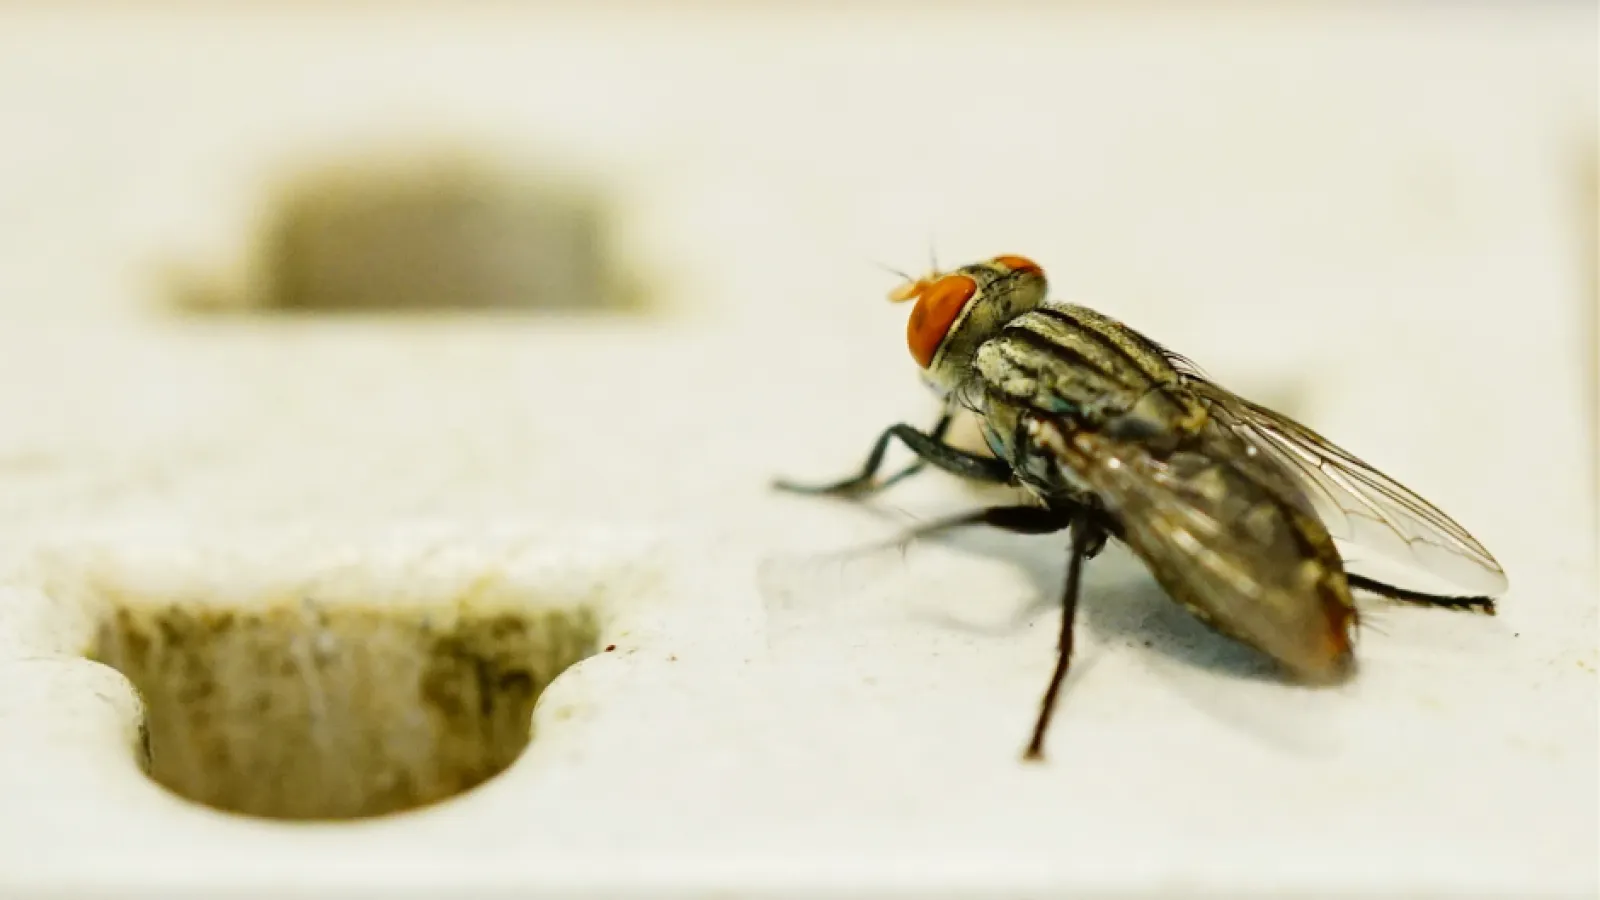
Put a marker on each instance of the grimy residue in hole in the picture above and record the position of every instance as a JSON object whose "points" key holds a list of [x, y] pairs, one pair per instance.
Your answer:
{"points": [[300, 711]]}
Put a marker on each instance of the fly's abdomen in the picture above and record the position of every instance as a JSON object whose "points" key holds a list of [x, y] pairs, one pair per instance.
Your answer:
{"points": [[1223, 539]]}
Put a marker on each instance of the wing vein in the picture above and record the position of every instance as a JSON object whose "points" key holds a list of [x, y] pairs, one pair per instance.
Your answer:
{"points": [[1357, 502]]}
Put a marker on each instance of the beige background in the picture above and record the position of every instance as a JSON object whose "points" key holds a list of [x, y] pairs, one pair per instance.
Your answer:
{"points": [[1384, 220]]}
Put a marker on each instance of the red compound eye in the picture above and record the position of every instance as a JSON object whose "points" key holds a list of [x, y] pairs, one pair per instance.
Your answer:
{"points": [[1019, 264], [939, 304]]}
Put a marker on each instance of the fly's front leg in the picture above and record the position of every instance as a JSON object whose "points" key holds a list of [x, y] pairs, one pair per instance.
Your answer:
{"points": [[940, 428], [930, 448], [1085, 534]]}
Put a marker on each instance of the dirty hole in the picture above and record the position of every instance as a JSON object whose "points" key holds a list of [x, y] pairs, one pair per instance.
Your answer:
{"points": [[295, 711]]}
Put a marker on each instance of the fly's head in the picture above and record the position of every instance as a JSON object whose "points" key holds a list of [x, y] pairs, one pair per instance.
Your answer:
{"points": [[958, 310]]}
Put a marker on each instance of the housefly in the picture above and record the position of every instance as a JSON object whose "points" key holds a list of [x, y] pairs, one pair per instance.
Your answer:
{"points": [[1233, 507]]}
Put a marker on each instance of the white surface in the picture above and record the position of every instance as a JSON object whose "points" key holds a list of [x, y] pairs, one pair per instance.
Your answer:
{"points": [[844, 726], [860, 729]]}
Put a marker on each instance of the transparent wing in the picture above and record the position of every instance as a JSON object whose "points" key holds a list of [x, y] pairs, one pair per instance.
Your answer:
{"points": [[1358, 503]]}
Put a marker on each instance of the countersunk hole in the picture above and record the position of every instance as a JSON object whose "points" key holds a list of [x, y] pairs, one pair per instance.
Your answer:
{"points": [[394, 232], [336, 711]]}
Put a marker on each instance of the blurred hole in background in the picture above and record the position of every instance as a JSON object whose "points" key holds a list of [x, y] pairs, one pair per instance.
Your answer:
{"points": [[451, 232]]}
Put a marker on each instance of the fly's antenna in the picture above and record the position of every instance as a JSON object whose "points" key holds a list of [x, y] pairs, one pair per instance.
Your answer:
{"points": [[891, 270], [910, 286]]}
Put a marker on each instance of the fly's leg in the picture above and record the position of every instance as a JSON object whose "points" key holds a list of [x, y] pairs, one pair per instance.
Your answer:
{"points": [[930, 448], [940, 428], [1021, 519], [1483, 605], [1085, 534]]}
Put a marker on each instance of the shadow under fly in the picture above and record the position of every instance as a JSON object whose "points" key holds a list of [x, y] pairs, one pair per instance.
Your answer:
{"points": [[1233, 508]]}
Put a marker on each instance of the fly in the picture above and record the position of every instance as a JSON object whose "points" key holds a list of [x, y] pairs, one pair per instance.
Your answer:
{"points": [[1231, 506]]}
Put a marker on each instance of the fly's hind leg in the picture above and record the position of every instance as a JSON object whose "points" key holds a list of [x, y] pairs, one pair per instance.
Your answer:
{"points": [[1483, 605], [1085, 534], [930, 448]]}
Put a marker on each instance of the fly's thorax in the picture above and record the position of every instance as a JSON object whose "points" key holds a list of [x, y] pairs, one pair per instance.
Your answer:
{"points": [[1069, 361], [1162, 420], [958, 311]]}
